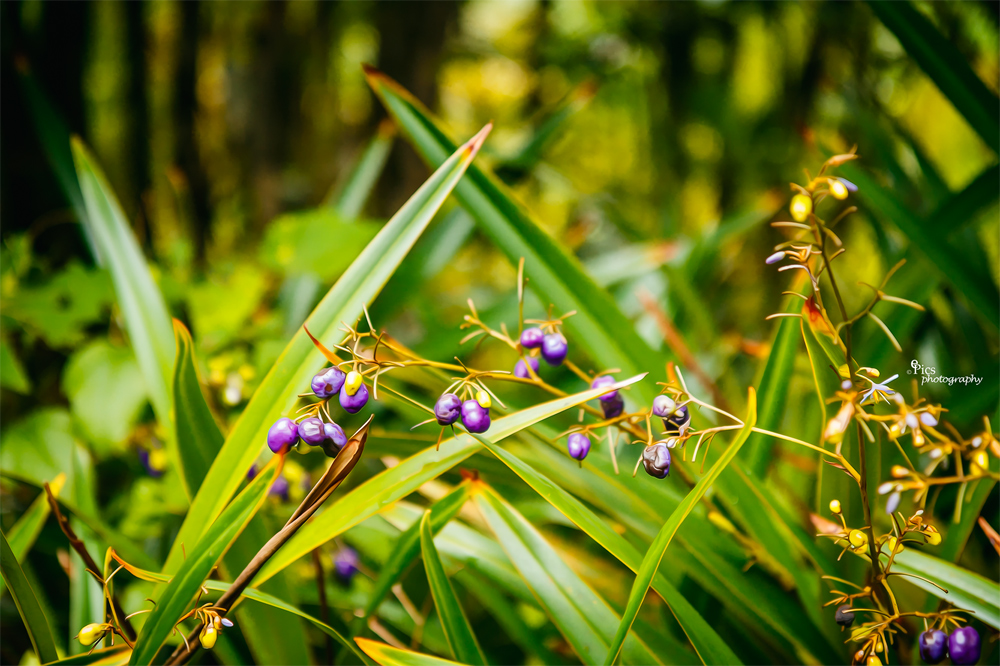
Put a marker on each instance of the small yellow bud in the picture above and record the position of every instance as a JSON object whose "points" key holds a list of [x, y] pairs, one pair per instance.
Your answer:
{"points": [[483, 398], [208, 636], [898, 471], [837, 188], [893, 544], [158, 460], [721, 522], [91, 633], [873, 660], [858, 538], [980, 460], [800, 207], [835, 507], [352, 383], [932, 535]]}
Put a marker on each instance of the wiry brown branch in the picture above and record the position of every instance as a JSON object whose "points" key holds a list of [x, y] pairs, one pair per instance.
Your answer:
{"points": [[337, 472]]}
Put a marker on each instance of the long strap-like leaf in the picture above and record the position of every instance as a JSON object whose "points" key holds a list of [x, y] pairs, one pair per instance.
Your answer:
{"points": [[27, 604]]}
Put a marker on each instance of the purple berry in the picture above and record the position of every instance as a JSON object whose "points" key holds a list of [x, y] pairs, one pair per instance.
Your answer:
{"points": [[554, 348], [613, 408], [335, 439], [447, 409], [252, 472], [345, 564], [679, 420], [656, 460], [279, 489], [475, 417], [933, 646], [282, 435], [964, 646], [578, 445], [605, 380], [521, 370], [311, 431], [531, 338], [155, 461], [328, 381], [844, 615], [663, 405], [352, 404]]}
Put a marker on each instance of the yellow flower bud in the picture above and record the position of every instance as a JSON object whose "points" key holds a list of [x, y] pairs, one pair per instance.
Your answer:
{"points": [[91, 633], [894, 545], [932, 535], [800, 207], [208, 636], [837, 188], [980, 460], [898, 471], [835, 506], [858, 538], [352, 383], [483, 398], [873, 660]]}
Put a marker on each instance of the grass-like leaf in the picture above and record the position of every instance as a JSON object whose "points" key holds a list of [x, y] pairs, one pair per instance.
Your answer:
{"points": [[386, 655], [948, 68], [965, 589], [553, 274], [644, 576], [457, 631], [350, 200], [343, 303], [111, 656], [25, 531], [198, 436], [397, 482], [27, 604], [201, 559]]}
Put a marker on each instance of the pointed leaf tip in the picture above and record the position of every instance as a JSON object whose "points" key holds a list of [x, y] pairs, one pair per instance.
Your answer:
{"points": [[476, 142]]}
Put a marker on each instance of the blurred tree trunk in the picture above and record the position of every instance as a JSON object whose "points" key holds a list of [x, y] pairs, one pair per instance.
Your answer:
{"points": [[412, 38], [135, 35]]}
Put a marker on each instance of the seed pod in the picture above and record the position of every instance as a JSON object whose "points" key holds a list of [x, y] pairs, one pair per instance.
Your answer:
{"points": [[858, 539], [656, 460], [844, 615], [208, 636]]}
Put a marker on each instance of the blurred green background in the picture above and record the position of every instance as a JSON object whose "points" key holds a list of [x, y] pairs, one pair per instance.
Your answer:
{"points": [[653, 139]]}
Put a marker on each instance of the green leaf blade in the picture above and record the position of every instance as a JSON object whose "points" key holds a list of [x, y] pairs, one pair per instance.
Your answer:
{"points": [[27, 604], [198, 436], [965, 589]]}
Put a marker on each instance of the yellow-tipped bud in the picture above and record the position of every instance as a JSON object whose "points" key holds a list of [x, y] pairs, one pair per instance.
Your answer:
{"points": [[483, 398], [980, 460], [158, 460], [837, 188], [858, 539], [873, 660], [800, 207], [932, 535], [208, 636], [898, 471], [91, 633], [352, 383], [893, 544], [835, 507]]}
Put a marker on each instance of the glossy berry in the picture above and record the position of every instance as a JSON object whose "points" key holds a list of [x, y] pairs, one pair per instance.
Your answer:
{"points": [[475, 417], [91, 633], [345, 564], [279, 489], [554, 348], [933, 646], [613, 408], [208, 636], [531, 338], [521, 370], [605, 380], [663, 405], [447, 409], [484, 399], [328, 381], [964, 646], [352, 404], [282, 435], [578, 445], [311, 431], [679, 420], [656, 460], [844, 615], [335, 439]]}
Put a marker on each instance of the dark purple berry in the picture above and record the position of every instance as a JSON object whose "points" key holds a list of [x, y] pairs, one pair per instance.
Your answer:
{"points": [[578, 445], [447, 409], [554, 348], [531, 338], [656, 460], [679, 420], [663, 405], [605, 380], [521, 370], [613, 408], [311, 431], [335, 439], [282, 435], [252, 472], [844, 615], [352, 404], [475, 417], [345, 564], [964, 646], [279, 489], [933, 646], [328, 381]]}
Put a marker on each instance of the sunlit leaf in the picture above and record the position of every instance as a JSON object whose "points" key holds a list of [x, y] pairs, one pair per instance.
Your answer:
{"points": [[386, 655], [965, 589]]}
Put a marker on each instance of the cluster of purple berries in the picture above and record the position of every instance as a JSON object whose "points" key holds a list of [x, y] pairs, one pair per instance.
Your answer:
{"points": [[475, 414], [963, 646], [552, 347], [578, 443], [676, 421], [352, 394]]}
